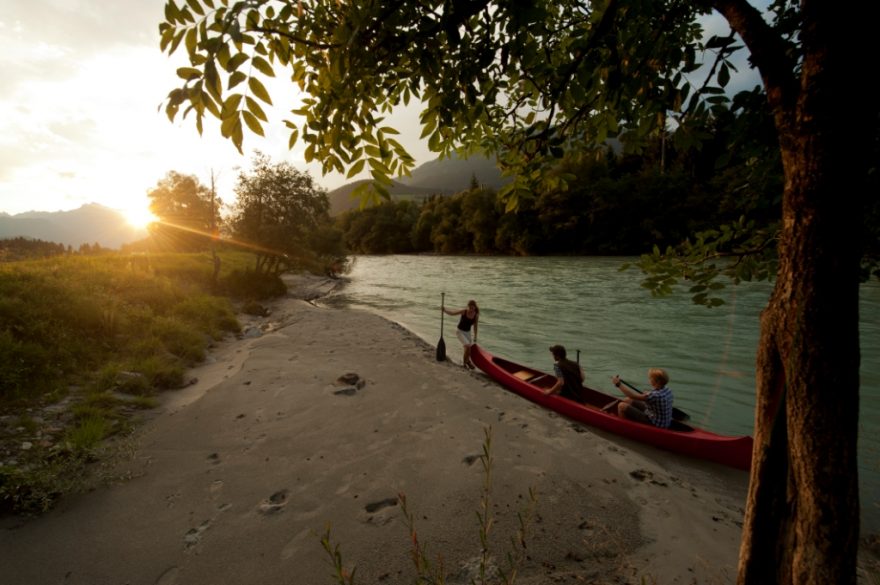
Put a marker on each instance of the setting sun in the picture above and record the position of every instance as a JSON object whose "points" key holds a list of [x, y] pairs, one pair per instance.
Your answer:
{"points": [[139, 217]]}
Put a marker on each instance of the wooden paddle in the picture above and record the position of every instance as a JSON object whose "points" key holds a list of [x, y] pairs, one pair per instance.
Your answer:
{"points": [[677, 414], [441, 345]]}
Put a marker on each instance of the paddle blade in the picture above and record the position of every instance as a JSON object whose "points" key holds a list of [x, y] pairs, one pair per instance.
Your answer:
{"points": [[441, 350], [680, 415]]}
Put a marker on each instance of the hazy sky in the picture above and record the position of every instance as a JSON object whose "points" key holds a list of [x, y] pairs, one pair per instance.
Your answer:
{"points": [[79, 117], [79, 111]]}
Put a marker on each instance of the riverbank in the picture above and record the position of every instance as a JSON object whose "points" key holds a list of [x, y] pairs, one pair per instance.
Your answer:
{"points": [[321, 418]]}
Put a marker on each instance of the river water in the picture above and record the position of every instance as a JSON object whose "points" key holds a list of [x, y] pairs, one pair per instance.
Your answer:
{"points": [[588, 304]]}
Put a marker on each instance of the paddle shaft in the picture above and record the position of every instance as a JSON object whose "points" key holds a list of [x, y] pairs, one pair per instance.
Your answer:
{"points": [[442, 311]]}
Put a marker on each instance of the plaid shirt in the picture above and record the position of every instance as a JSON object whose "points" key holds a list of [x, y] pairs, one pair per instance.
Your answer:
{"points": [[659, 403]]}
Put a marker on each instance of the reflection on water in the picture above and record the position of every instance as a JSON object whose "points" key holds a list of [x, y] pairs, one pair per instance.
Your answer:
{"points": [[588, 304]]}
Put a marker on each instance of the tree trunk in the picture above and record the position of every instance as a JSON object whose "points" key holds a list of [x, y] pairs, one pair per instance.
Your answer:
{"points": [[802, 516]]}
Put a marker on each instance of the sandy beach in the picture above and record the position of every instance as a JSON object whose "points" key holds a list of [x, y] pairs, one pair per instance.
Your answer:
{"points": [[320, 418]]}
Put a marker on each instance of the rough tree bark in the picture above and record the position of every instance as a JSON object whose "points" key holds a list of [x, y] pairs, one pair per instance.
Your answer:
{"points": [[802, 516]]}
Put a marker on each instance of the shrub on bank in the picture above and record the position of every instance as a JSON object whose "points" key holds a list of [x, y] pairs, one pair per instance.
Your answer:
{"points": [[253, 286], [100, 335]]}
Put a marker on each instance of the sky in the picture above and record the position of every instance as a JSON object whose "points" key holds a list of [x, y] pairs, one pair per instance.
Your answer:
{"points": [[80, 120], [80, 115]]}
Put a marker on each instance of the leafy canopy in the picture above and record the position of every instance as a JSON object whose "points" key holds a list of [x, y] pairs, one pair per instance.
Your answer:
{"points": [[524, 78], [532, 81], [187, 210], [277, 211]]}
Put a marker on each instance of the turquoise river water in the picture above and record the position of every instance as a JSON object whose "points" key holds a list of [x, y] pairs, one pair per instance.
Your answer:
{"points": [[588, 304]]}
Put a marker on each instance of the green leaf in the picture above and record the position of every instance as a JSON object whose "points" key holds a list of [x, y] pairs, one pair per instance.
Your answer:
{"points": [[212, 81], [259, 90], [235, 62], [166, 37], [234, 79], [237, 135], [723, 75], [191, 40], [195, 7], [253, 123], [189, 73], [356, 168], [254, 107], [231, 104], [380, 177], [211, 106], [377, 165], [263, 66], [228, 124], [171, 11]]}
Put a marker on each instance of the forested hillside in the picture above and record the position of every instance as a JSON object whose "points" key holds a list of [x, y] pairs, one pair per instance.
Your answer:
{"points": [[438, 177], [615, 204]]}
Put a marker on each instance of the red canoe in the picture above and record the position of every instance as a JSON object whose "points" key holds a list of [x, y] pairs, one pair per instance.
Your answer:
{"points": [[600, 412]]}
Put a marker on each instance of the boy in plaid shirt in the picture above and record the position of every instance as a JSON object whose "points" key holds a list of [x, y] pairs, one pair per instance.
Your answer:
{"points": [[654, 407]]}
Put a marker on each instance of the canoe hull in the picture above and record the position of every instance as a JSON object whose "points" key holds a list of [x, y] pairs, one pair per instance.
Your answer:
{"points": [[682, 438]]}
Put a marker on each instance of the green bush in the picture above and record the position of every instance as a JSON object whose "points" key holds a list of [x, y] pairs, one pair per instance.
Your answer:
{"points": [[22, 367], [254, 286], [100, 325], [180, 339], [31, 490], [214, 315], [88, 432], [163, 373]]}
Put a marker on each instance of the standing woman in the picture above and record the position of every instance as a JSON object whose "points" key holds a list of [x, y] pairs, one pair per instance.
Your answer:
{"points": [[470, 317]]}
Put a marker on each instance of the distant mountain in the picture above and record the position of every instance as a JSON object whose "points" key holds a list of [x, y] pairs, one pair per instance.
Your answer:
{"points": [[437, 177], [89, 224], [455, 174], [340, 198]]}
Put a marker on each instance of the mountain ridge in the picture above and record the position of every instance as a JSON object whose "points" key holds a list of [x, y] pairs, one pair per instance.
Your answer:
{"points": [[88, 224], [443, 177]]}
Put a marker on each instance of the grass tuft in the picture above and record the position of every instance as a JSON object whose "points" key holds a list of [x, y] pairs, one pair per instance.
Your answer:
{"points": [[430, 571], [99, 337]]}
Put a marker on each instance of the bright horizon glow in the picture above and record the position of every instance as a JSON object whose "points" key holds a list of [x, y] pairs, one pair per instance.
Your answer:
{"points": [[80, 117], [138, 216]]}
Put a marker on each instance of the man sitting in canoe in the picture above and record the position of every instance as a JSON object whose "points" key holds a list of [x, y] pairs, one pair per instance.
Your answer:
{"points": [[569, 376], [654, 407]]}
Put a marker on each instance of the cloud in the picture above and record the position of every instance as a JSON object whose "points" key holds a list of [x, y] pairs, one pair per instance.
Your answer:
{"points": [[86, 25]]}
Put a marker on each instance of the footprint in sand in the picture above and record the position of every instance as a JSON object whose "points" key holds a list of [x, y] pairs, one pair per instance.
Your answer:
{"points": [[376, 512], [169, 577], [644, 475], [376, 506], [194, 535], [471, 459], [274, 503]]}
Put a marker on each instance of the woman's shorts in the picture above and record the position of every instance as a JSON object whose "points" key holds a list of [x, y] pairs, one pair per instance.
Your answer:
{"points": [[464, 337]]}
